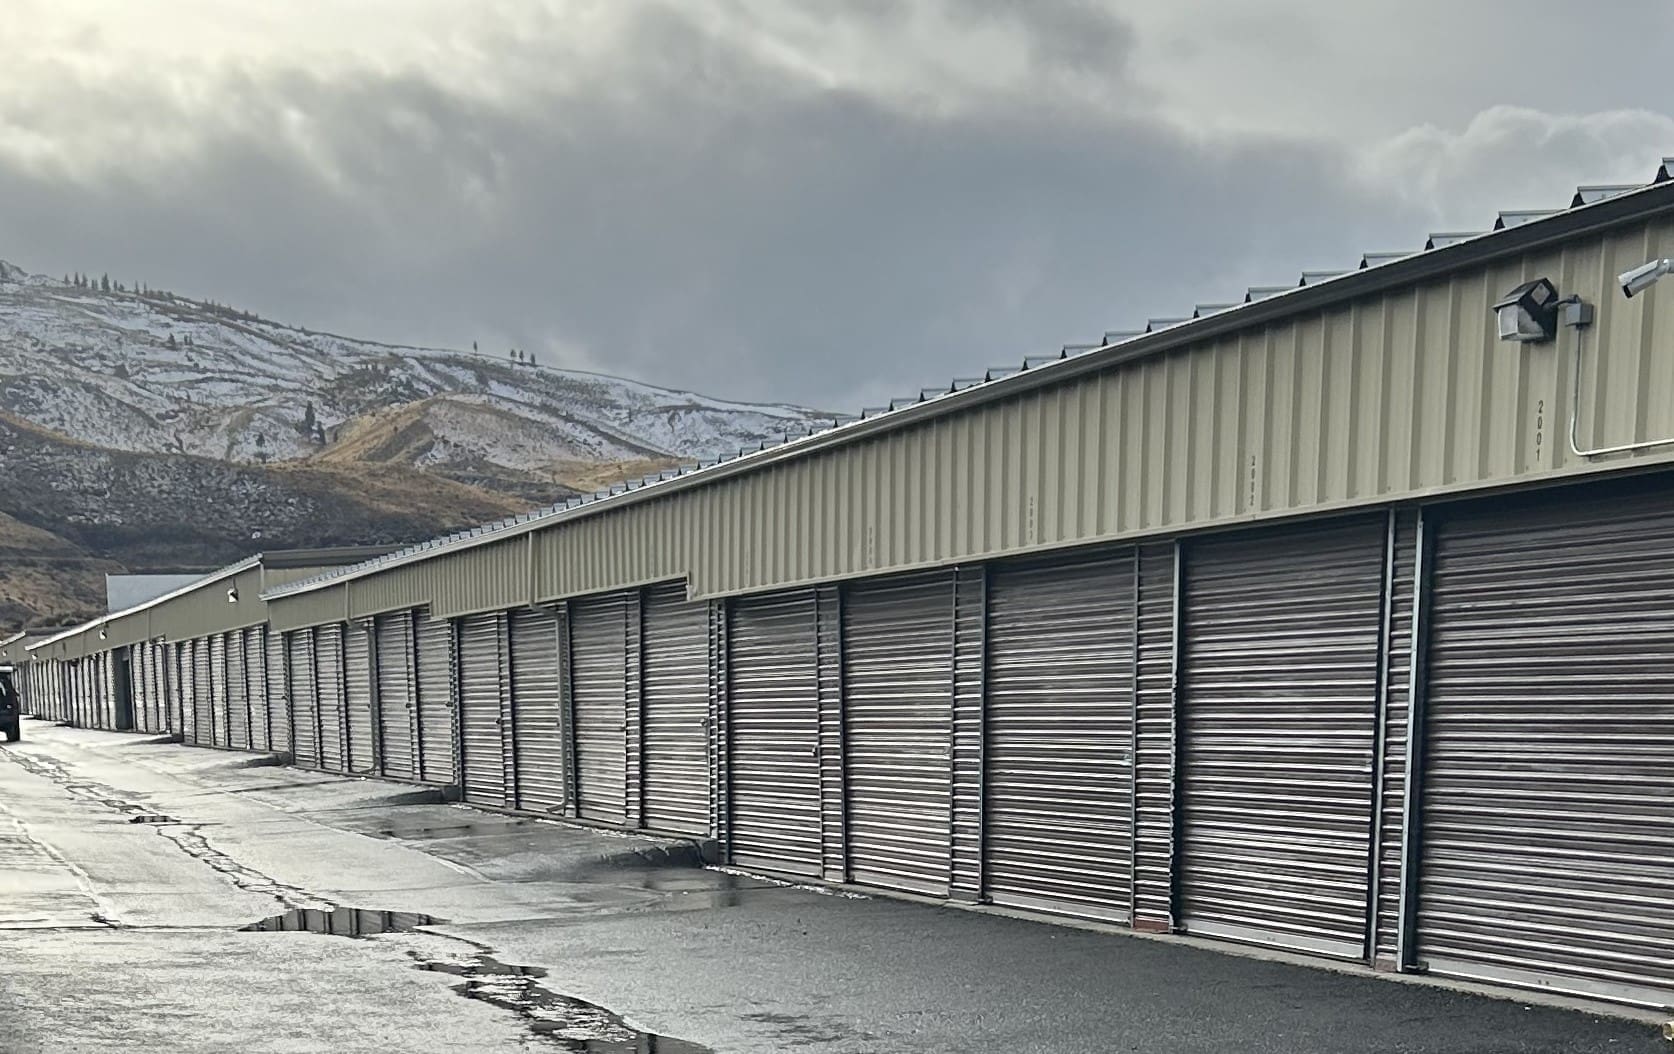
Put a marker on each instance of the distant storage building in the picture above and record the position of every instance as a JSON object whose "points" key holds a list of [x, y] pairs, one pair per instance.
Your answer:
{"points": [[1332, 620]]}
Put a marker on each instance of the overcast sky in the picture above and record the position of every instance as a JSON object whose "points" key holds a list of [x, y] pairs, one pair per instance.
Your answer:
{"points": [[827, 203]]}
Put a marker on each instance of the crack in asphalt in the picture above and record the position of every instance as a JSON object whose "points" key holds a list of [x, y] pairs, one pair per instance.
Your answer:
{"points": [[187, 837]]}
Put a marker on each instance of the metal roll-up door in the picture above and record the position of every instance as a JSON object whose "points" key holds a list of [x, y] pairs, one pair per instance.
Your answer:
{"points": [[1058, 765], [305, 703], [204, 682], [180, 706], [538, 735], [278, 693], [141, 696], [141, 689], [238, 694], [255, 669], [599, 690], [1547, 822], [436, 726], [136, 686], [154, 718], [674, 679], [1278, 704], [482, 682], [898, 732], [397, 704], [218, 689], [328, 682], [773, 732], [358, 702], [111, 670]]}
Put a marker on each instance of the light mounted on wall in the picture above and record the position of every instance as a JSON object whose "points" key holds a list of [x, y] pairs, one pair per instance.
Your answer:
{"points": [[232, 594], [102, 633], [1640, 278], [1529, 313]]}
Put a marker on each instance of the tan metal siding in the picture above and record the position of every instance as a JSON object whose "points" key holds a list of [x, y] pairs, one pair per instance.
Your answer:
{"points": [[205, 611], [201, 612], [492, 577], [120, 632], [278, 576], [303, 610], [1402, 393]]}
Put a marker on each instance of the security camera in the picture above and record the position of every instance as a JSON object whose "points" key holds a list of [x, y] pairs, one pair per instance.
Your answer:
{"points": [[1640, 278]]}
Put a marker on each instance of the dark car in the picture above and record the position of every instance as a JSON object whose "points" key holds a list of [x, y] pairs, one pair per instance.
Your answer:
{"points": [[9, 708]]}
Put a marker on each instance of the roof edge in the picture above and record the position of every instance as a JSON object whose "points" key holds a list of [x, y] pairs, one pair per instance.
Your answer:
{"points": [[104, 620]]}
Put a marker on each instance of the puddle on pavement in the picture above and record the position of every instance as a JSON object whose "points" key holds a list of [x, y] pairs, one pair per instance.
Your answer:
{"points": [[568, 1023], [342, 922], [451, 830]]}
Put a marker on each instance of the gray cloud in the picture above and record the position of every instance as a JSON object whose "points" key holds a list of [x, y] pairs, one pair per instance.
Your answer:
{"points": [[698, 210], [1077, 34]]}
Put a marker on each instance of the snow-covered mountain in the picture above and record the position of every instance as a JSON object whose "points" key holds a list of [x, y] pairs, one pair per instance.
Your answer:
{"points": [[151, 372], [143, 431]]}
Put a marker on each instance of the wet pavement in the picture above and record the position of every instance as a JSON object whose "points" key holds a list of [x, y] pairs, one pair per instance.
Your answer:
{"points": [[160, 897]]}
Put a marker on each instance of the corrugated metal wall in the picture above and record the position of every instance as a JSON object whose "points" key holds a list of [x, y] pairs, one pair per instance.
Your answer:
{"points": [[1402, 393], [308, 609], [203, 611]]}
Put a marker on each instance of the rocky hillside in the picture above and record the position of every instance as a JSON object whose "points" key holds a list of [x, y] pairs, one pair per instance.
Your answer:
{"points": [[144, 431], [71, 512], [151, 372]]}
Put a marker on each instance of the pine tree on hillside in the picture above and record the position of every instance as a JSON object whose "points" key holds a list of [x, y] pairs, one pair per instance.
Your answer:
{"points": [[172, 344], [104, 283]]}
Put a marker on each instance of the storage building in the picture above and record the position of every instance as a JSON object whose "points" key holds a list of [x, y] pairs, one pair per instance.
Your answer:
{"points": [[1327, 621]]}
